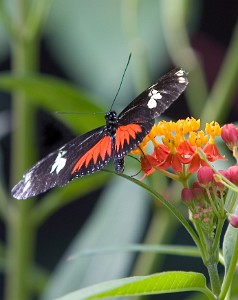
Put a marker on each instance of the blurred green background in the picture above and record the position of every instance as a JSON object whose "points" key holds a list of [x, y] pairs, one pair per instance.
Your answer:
{"points": [[69, 56]]}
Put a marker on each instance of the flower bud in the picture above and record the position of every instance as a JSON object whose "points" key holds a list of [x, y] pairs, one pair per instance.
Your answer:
{"points": [[233, 174], [229, 134], [205, 175], [233, 219], [226, 174], [187, 195], [198, 191]]}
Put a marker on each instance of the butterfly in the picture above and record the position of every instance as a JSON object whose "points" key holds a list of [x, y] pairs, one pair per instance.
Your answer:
{"points": [[91, 151]]}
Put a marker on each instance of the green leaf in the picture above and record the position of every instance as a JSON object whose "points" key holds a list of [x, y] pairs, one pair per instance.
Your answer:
{"points": [[231, 234], [163, 249], [54, 94], [230, 253], [229, 244], [162, 283]]}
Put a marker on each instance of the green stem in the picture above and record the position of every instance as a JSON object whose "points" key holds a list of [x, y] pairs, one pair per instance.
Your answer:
{"points": [[130, 26], [216, 242], [225, 86], [20, 249], [3, 202], [212, 202], [20, 230], [176, 35], [230, 272], [202, 241], [214, 278]]}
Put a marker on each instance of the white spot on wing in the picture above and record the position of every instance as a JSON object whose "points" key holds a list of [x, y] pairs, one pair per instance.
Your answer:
{"points": [[179, 72], [181, 80], [59, 163], [152, 103], [154, 95]]}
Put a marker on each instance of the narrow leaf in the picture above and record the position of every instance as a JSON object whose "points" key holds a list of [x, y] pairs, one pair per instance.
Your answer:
{"points": [[162, 283]]}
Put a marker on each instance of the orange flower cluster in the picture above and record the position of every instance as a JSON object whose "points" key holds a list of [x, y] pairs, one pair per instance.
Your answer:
{"points": [[178, 146]]}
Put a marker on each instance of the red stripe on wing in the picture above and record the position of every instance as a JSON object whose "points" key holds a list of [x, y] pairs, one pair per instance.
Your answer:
{"points": [[102, 148], [124, 133]]}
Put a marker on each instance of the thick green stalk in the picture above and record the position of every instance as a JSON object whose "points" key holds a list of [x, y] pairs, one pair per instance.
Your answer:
{"points": [[20, 232], [214, 278], [225, 86]]}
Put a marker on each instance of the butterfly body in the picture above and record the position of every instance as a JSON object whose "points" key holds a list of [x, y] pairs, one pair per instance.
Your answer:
{"points": [[91, 151]]}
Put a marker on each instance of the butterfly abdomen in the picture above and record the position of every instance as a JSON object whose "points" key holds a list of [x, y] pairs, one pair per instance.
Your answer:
{"points": [[119, 165]]}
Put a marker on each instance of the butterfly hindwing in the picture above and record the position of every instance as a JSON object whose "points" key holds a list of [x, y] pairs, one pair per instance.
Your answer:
{"points": [[129, 136], [83, 155], [156, 99]]}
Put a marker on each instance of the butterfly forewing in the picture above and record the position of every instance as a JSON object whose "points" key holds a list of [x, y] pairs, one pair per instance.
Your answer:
{"points": [[156, 99], [81, 156]]}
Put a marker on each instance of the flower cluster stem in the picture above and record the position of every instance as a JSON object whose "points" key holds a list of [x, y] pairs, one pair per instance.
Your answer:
{"points": [[214, 278]]}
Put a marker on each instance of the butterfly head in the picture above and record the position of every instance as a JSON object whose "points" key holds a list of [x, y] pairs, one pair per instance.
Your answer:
{"points": [[111, 122]]}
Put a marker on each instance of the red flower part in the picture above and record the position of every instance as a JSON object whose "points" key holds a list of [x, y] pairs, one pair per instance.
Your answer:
{"points": [[162, 156], [233, 219], [176, 164], [233, 174], [196, 185], [205, 176], [185, 152], [161, 152], [212, 152], [147, 162], [163, 165], [195, 163], [229, 134], [226, 174], [187, 195]]}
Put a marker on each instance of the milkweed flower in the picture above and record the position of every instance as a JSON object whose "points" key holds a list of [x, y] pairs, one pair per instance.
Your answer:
{"points": [[178, 147], [181, 149]]}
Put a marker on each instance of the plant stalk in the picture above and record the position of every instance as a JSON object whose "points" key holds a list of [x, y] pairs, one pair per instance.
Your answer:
{"points": [[20, 230], [214, 278]]}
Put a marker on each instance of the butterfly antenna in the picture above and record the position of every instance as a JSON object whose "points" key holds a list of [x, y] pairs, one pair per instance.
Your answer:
{"points": [[128, 61], [78, 113]]}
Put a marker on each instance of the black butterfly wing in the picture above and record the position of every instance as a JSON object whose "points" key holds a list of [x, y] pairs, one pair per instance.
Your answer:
{"points": [[91, 152], [83, 155], [137, 119], [156, 99]]}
